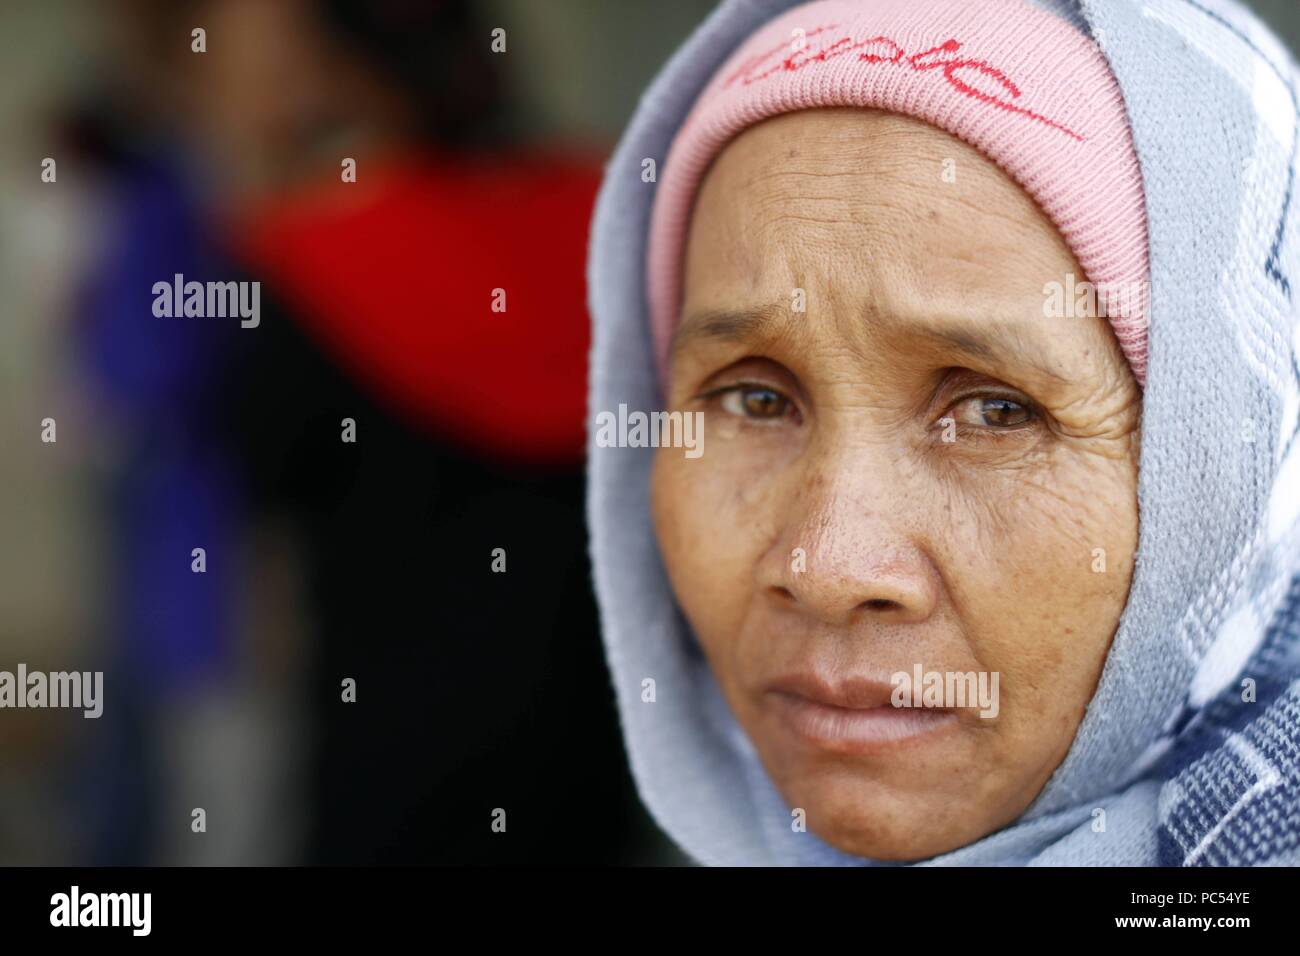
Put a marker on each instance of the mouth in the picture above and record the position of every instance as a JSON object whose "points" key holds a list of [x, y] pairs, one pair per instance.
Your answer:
{"points": [[854, 717]]}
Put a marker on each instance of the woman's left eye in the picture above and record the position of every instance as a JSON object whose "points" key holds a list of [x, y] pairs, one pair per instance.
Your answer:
{"points": [[992, 412]]}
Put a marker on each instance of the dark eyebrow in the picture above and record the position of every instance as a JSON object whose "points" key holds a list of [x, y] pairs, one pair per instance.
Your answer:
{"points": [[995, 343], [724, 325]]}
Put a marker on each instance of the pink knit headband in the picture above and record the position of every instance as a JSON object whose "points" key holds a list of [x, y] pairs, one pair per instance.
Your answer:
{"points": [[1019, 84]]}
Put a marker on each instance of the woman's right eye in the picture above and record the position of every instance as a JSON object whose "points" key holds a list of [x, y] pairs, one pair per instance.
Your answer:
{"points": [[755, 401]]}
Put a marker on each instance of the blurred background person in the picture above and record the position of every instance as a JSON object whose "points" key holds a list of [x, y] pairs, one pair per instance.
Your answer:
{"points": [[383, 476]]}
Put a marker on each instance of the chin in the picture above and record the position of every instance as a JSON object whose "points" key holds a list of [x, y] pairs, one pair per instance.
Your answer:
{"points": [[855, 816]]}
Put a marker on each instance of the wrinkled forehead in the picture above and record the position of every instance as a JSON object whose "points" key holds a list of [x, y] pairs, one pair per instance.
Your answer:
{"points": [[851, 224], [828, 188]]}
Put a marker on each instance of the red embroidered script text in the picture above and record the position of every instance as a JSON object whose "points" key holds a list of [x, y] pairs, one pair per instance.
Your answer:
{"points": [[881, 49]]}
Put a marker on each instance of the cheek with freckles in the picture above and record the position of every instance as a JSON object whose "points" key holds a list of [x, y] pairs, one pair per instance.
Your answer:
{"points": [[1038, 561], [712, 516]]}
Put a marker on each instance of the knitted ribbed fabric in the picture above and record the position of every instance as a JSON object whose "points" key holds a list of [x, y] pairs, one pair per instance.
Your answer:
{"points": [[1029, 91]]}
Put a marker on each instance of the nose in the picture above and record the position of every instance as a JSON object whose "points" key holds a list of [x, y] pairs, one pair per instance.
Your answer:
{"points": [[849, 550]]}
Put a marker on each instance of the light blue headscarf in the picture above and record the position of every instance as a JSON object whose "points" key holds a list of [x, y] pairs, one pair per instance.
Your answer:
{"points": [[1189, 752]]}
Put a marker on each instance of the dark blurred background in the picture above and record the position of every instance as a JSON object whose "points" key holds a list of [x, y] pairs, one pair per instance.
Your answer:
{"points": [[372, 560]]}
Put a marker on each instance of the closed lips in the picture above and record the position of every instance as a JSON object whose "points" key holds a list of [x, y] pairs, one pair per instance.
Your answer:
{"points": [[852, 717]]}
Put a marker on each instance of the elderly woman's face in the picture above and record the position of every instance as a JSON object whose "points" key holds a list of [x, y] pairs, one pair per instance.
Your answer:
{"points": [[906, 465]]}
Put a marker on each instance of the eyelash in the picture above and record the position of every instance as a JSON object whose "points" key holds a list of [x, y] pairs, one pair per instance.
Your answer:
{"points": [[1033, 414]]}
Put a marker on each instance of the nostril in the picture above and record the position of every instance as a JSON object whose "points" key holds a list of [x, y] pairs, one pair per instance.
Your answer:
{"points": [[782, 593], [880, 604]]}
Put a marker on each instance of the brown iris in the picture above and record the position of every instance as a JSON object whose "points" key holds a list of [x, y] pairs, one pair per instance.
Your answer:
{"points": [[762, 402], [1003, 412]]}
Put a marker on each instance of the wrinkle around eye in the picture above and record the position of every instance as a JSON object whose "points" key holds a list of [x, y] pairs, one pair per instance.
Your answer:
{"points": [[1112, 410]]}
